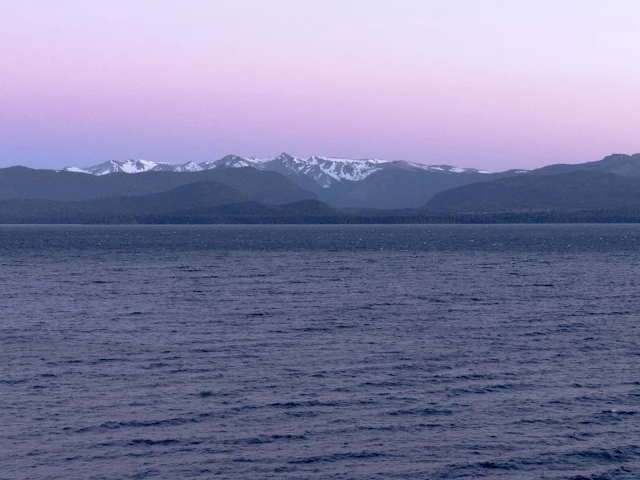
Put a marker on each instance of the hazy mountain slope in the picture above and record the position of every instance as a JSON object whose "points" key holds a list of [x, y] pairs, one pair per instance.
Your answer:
{"points": [[403, 186], [619, 164], [305, 211], [263, 186], [574, 191], [193, 195], [196, 195], [202, 202]]}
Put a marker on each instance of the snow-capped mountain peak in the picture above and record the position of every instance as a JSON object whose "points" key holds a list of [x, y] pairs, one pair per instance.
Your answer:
{"points": [[115, 166], [324, 171], [135, 166], [169, 167], [234, 161], [284, 156]]}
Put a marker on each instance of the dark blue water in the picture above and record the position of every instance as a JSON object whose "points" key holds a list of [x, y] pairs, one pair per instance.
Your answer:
{"points": [[351, 352]]}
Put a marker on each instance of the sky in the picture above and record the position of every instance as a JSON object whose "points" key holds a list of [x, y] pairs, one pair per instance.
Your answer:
{"points": [[492, 84]]}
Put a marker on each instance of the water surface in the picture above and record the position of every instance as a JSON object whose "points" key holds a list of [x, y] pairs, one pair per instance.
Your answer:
{"points": [[320, 351]]}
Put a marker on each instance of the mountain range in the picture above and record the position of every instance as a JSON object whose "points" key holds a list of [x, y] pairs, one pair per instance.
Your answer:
{"points": [[319, 190], [612, 184], [323, 170], [364, 183]]}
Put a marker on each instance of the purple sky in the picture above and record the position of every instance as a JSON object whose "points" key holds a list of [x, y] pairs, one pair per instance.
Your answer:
{"points": [[493, 84]]}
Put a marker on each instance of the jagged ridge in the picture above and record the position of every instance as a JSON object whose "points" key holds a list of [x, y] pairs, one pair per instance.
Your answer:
{"points": [[323, 171]]}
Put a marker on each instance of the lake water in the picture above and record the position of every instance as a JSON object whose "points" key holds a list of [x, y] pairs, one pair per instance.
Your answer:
{"points": [[352, 352]]}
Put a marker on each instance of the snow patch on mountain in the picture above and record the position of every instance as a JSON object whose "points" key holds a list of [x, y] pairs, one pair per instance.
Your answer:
{"points": [[446, 168], [76, 170], [135, 166]]}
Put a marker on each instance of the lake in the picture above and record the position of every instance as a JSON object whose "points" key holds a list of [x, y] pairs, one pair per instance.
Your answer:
{"points": [[347, 352]]}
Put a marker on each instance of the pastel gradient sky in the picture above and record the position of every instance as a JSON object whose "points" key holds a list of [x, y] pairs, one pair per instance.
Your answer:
{"points": [[493, 84]]}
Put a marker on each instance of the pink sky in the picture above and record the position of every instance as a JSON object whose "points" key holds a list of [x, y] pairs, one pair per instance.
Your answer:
{"points": [[489, 84]]}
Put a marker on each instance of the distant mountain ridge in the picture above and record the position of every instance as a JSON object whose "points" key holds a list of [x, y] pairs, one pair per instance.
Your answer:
{"points": [[611, 184], [618, 164], [376, 187], [342, 182], [325, 171]]}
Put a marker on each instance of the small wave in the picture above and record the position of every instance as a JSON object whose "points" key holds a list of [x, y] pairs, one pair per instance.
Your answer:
{"points": [[301, 414], [615, 411], [266, 439], [423, 411], [615, 455], [149, 442], [13, 382], [498, 466], [311, 403], [139, 424], [336, 457]]}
